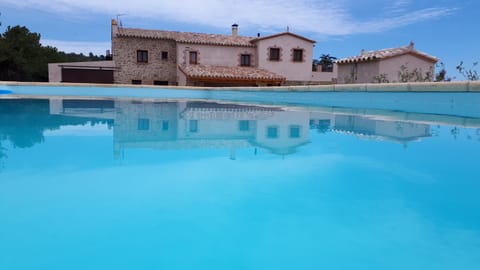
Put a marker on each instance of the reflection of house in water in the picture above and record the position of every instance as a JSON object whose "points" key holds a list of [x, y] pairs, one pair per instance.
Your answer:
{"points": [[368, 128], [190, 125], [321, 121], [177, 125], [88, 108]]}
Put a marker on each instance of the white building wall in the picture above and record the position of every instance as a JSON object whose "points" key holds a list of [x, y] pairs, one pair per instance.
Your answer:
{"points": [[293, 71], [325, 77], [227, 56], [362, 72], [391, 66]]}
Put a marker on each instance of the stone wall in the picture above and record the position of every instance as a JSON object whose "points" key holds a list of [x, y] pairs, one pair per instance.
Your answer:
{"points": [[156, 69]]}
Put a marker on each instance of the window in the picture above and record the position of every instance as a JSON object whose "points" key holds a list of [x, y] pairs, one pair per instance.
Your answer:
{"points": [[143, 124], [193, 126], [294, 131], [160, 82], [165, 125], [193, 58], [136, 81], [142, 56], [274, 54], [244, 125], [245, 60], [272, 132], [297, 55], [164, 55]]}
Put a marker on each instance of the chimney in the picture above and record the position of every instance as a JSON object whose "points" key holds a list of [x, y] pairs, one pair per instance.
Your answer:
{"points": [[114, 31], [362, 52], [187, 56], [234, 30]]}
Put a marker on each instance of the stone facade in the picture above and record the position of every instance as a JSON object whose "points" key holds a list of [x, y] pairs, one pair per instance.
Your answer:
{"points": [[212, 52], [156, 70]]}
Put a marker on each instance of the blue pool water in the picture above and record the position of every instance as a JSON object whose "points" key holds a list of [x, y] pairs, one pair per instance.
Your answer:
{"points": [[177, 184], [4, 92]]}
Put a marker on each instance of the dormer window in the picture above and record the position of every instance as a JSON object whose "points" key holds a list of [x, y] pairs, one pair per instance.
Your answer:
{"points": [[245, 60]]}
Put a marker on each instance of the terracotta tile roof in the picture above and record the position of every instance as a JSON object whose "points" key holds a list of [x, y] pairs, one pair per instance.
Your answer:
{"points": [[187, 37], [386, 53], [282, 34], [232, 73]]}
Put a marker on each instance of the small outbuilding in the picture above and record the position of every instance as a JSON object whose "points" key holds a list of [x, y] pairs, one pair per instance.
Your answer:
{"points": [[82, 72], [402, 64]]}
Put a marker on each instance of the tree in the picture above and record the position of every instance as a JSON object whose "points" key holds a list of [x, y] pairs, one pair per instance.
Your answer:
{"points": [[326, 62], [470, 74], [19, 54], [23, 58]]}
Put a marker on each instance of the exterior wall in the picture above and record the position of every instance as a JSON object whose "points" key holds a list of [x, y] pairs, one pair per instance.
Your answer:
{"points": [[227, 56], [125, 55], [55, 69], [363, 72], [293, 71], [367, 71], [54, 72], [181, 78], [325, 77], [391, 66]]}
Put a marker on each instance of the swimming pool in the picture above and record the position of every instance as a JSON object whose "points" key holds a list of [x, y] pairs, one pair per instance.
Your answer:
{"points": [[175, 183]]}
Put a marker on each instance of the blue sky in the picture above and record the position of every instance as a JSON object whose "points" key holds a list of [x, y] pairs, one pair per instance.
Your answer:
{"points": [[447, 29]]}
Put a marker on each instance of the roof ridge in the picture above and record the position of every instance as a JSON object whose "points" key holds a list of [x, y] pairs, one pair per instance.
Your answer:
{"points": [[386, 53], [179, 32], [187, 37]]}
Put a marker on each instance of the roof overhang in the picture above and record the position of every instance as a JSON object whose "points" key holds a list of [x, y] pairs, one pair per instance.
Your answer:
{"points": [[230, 74], [282, 34]]}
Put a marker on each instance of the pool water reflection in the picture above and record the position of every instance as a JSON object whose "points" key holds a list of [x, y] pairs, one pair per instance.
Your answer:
{"points": [[149, 184]]}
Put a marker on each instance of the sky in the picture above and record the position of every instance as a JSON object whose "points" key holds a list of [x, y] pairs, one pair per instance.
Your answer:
{"points": [[447, 29]]}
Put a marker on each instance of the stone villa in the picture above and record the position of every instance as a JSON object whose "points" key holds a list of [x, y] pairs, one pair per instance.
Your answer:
{"points": [[156, 57]]}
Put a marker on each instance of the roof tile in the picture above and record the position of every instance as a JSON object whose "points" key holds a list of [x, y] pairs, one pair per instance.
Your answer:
{"points": [[386, 53], [187, 37], [235, 73]]}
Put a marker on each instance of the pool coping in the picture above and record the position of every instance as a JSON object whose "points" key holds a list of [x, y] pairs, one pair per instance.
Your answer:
{"points": [[460, 86]]}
